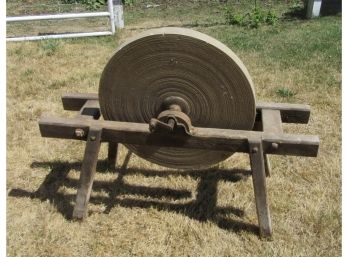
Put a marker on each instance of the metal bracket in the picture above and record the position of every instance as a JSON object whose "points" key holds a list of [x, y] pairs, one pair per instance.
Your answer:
{"points": [[172, 121]]}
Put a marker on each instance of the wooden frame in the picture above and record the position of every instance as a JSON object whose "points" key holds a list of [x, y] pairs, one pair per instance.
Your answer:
{"points": [[266, 138]]}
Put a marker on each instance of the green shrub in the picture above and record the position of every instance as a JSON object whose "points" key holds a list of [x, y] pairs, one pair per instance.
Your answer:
{"points": [[256, 18], [234, 19], [253, 19], [271, 18]]}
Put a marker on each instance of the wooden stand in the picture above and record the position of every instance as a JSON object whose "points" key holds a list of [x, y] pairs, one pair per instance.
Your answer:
{"points": [[266, 138]]}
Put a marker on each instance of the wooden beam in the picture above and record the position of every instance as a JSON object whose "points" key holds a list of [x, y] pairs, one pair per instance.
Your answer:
{"points": [[74, 101], [290, 113], [271, 123], [90, 110], [202, 138]]}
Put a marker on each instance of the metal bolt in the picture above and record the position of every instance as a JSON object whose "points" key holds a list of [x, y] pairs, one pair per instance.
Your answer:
{"points": [[79, 132], [254, 150], [92, 138], [171, 123], [152, 125], [275, 146], [175, 107]]}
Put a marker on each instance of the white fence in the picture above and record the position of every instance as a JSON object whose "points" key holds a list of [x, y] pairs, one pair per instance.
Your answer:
{"points": [[114, 13], [313, 8]]}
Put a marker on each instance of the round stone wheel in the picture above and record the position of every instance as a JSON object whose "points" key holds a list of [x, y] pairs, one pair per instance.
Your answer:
{"points": [[177, 62]]}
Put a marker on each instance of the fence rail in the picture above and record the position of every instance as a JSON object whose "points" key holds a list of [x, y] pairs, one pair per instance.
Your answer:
{"points": [[110, 14], [57, 16]]}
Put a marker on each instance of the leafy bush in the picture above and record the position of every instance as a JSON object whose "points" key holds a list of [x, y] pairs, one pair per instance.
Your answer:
{"points": [[271, 18], [252, 19], [234, 19], [95, 4], [256, 18]]}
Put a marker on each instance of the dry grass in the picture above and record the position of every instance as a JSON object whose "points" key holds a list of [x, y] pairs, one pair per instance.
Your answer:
{"points": [[142, 209]]}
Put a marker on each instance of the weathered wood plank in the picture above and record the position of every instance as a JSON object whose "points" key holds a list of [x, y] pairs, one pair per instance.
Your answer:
{"points": [[202, 138], [259, 183], [88, 170], [290, 113], [74, 101], [271, 123], [90, 110]]}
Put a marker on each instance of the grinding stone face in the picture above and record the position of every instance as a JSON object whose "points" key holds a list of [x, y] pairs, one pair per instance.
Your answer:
{"points": [[165, 62]]}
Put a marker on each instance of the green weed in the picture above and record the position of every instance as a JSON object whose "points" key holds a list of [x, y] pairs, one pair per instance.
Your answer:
{"points": [[49, 46], [271, 18], [91, 4], [296, 11], [233, 18], [95, 4], [129, 2], [28, 72], [253, 19], [285, 92]]}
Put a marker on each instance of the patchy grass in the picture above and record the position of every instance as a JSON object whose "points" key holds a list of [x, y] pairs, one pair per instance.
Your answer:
{"points": [[142, 209]]}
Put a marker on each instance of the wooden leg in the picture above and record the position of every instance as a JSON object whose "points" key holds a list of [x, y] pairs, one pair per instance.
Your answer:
{"points": [[87, 173], [112, 155], [259, 183], [267, 165]]}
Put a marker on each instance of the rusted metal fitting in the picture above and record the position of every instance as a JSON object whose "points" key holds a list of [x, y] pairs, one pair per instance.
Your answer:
{"points": [[175, 103], [157, 125], [275, 146], [79, 133], [171, 121], [173, 118]]}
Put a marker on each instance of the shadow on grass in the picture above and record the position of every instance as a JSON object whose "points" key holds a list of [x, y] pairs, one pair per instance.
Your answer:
{"points": [[295, 13], [203, 208]]}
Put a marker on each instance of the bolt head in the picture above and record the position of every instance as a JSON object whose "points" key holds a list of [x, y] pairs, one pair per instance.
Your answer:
{"points": [[79, 132], [255, 150], [275, 146]]}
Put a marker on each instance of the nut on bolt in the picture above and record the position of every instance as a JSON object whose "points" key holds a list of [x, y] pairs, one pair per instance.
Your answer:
{"points": [[79, 132], [275, 146]]}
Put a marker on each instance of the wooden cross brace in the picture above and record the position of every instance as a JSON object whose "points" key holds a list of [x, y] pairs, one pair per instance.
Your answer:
{"points": [[267, 137]]}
